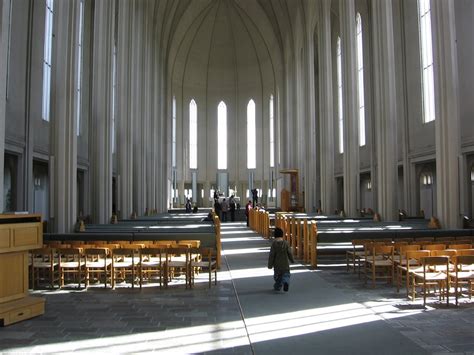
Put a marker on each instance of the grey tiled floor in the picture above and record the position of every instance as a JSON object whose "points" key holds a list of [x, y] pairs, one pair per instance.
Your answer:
{"points": [[327, 311]]}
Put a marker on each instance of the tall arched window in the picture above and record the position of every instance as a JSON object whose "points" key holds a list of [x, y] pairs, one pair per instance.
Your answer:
{"points": [[48, 46], [192, 135], [360, 79], [426, 48], [251, 136], [173, 133], [222, 136], [80, 37], [339, 94], [272, 134]]}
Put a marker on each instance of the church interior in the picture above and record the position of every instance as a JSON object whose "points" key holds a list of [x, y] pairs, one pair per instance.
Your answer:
{"points": [[137, 138]]}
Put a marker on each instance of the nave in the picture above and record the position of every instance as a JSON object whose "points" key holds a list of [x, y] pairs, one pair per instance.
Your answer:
{"points": [[326, 311]]}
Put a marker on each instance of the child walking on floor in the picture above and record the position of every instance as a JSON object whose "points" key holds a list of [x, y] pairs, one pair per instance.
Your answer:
{"points": [[279, 259]]}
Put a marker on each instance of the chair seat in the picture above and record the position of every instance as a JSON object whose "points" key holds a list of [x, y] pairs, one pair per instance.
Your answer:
{"points": [[432, 276], [71, 264], [44, 264], [463, 275], [98, 264], [124, 264]]}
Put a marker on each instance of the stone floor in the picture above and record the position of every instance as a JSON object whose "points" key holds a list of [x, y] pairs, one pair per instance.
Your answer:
{"points": [[326, 311]]}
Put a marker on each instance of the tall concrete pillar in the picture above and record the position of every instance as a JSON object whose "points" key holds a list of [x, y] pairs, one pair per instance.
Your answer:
{"points": [[101, 133], [385, 109], [326, 110], [4, 34], [63, 159], [125, 120], [350, 107], [447, 121]]}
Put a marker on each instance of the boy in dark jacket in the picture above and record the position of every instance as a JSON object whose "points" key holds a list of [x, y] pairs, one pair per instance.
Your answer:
{"points": [[279, 258]]}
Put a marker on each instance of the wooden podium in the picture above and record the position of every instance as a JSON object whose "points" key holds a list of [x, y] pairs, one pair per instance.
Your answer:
{"points": [[18, 234]]}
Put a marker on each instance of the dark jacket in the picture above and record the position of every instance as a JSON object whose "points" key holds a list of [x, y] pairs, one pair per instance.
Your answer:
{"points": [[280, 255]]}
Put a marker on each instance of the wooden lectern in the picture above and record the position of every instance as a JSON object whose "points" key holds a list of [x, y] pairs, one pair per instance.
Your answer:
{"points": [[18, 234]]}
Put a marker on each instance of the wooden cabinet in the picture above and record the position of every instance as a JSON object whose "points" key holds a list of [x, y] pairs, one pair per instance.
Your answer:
{"points": [[18, 234]]}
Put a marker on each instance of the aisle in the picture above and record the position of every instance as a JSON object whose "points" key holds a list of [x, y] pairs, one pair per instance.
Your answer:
{"points": [[313, 317]]}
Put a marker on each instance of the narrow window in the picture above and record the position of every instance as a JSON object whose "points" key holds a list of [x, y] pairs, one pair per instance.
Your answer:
{"points": [[251, 136], [339, 95], [173, 133], [192, 135], [427, 78], [222, 136], [80, 38], [48, 44], [272, 134], [360, 79]]}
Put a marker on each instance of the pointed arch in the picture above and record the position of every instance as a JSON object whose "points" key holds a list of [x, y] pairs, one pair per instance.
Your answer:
{"points": [[193, 134]]}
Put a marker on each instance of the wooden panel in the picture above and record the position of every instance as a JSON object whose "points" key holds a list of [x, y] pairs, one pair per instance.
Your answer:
{"points": [[25, 308], [5, 241], [26, 235], [13, 276]]}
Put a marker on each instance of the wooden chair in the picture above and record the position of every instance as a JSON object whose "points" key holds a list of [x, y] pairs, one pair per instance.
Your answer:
{"points": [[463, 275], [400, 262], [379, 261], [71, 262], [356, 254], [206, 261], [44, 266], [177, 262], [413, 264], [433, 247], [125, 263], [465, 252], [434, 274], [460, 246], [152, 264], [97, 262]]}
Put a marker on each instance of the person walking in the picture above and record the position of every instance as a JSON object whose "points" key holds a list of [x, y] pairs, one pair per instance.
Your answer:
{"points": [[225, 209], [232, 208], [279, 259]]}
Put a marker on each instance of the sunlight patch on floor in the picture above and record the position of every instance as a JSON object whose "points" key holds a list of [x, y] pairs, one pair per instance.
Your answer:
{"points": [[233, 334]]}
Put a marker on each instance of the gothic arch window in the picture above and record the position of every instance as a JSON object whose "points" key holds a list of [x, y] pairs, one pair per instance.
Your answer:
{"points": [[222, 136], [272, 133], [193, 134], [360, 79], [80, 38], [48, 46], [426, 59], [251, 136], [426, 179], [339, 95]]}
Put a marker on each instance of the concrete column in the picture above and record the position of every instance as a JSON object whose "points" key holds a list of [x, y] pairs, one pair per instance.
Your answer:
{"points": [[310, 159], [101, 133], [326, 111], [137, 106], [385, 109], [125, 124], [447, 121], [4, 34], [63, 162], [350, 107]]}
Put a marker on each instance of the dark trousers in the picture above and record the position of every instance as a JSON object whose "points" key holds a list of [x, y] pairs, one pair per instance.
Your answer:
{"points": [[280, 277]]}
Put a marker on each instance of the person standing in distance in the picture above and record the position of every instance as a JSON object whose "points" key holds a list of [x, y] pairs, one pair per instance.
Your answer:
{"points": [[279, 259]]}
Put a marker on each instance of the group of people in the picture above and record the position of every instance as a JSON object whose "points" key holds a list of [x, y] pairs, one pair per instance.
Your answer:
{"points": [[224, 207]]}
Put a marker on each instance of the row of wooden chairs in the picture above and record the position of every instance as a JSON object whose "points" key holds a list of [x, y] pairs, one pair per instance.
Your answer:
{"points": [[136, 263], [355, 256], [414, 263]]}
